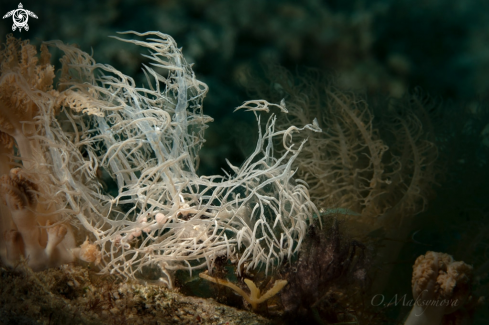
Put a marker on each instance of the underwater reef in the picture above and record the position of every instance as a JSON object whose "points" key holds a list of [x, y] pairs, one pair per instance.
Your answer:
{"points": [[106, 212], [60, 296]]}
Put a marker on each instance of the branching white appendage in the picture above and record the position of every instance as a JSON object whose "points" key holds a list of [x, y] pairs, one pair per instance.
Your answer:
{"points": [[147, 140]]}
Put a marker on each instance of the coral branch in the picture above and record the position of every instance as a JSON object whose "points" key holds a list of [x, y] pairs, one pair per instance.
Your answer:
{"points": [[254, 298]]}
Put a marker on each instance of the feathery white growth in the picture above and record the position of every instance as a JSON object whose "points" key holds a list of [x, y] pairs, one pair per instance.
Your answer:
{"points": [[148, 140]]}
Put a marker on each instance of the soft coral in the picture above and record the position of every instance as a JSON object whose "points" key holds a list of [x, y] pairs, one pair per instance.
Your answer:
{"points": [[440, 287], [23, 78], [30, 223], [20, 196]]}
